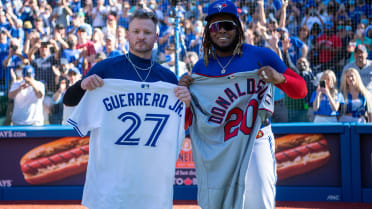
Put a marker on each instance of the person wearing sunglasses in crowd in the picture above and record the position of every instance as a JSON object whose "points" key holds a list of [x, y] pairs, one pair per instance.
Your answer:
{"points": [[131, 106], [225, 86]]}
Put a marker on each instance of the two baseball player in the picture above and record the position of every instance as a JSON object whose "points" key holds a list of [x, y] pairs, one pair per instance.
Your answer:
{"points": [[231, 88]]}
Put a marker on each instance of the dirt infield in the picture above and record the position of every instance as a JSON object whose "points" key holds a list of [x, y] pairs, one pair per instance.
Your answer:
{"points": [[183, 205]]}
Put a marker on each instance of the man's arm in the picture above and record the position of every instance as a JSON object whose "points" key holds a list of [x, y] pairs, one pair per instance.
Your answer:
{"points": [[294, 85], [38, 92], [73, 94]]}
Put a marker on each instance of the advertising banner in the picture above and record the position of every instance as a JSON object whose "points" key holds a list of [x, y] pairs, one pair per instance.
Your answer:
{"points": [[308, 160], [54, 161], [185, 168], [36, 161]]}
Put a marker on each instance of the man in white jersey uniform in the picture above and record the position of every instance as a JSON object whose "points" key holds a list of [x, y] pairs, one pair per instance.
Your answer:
{"points": [[135, 114]]}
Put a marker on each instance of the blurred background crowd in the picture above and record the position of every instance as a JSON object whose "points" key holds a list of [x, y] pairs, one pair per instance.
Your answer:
{"points": [[47, 45]]}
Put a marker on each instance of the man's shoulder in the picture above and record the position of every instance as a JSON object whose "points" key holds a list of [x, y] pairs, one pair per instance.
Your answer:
{"points": [[350, 65], [369, 64]]}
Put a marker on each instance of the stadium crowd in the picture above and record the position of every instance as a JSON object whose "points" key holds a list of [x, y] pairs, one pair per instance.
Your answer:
{"points": [[47, 45]]}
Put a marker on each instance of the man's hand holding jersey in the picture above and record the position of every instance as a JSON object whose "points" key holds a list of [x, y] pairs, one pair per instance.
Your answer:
{"points": [[270, 75], [91, 82]]}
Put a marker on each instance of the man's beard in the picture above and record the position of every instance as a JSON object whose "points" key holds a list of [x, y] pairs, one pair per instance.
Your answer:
{"points": [[230, 47]]}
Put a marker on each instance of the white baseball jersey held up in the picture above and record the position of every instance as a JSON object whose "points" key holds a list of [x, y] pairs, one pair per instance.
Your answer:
{"points": [[136, 133], [227, 115]]}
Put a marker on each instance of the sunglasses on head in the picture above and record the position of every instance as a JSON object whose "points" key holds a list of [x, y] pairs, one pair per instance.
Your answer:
{"points": [[225, 24]]}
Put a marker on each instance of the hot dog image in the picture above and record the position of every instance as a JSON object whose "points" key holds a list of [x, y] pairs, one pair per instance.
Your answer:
{"points": [[300, 153], [55, 160]]}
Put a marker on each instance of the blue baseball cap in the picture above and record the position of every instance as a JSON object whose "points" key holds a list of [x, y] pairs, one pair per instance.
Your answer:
{"points": [[28, 71], [222, 7], [74, 69]]}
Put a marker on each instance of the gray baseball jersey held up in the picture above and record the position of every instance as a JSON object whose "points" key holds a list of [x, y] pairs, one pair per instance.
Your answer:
{"points": [[227, 115]]}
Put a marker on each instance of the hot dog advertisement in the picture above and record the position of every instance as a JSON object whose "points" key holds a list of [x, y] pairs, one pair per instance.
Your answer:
{"points": [[300, 153], [55, 160], [301, 158], [29, 159]]}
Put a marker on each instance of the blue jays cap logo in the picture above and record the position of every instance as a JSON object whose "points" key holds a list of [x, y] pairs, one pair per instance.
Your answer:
{"points": [[220, 6]]}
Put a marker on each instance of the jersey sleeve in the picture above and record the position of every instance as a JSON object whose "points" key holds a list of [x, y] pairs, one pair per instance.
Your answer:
{"points": [[294, 85], [86, 115]]}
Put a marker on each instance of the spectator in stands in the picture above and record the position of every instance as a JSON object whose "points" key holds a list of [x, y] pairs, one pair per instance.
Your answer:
{"points": [[190, 60], [17, 31], [360, 38], [341, 13], [73, 75], [195, 38], [45, 63], [46, 69], [98, 39], [59, 35], [99, 14], [28, 96], [39, 27], [87, 50], [61, 13], [315, 32], [124, 15], [76, 5], [166, 34], [71, 54], [15, 57], [312, 16], [304, 34], [4, 51], [5, 20], [111, 25], [304, 111], [27, 10], [110, 48], [345, 39], [170, 61], [329, 45], [121, 41], [298, 109], [77, 20], [292, 49], [31, 38], [326, 99], [358, 100], [363, 65]]}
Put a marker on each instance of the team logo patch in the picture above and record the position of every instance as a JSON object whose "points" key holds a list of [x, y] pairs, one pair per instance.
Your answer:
{"points": [[220, 7], [145, 86], [259, 134]]}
